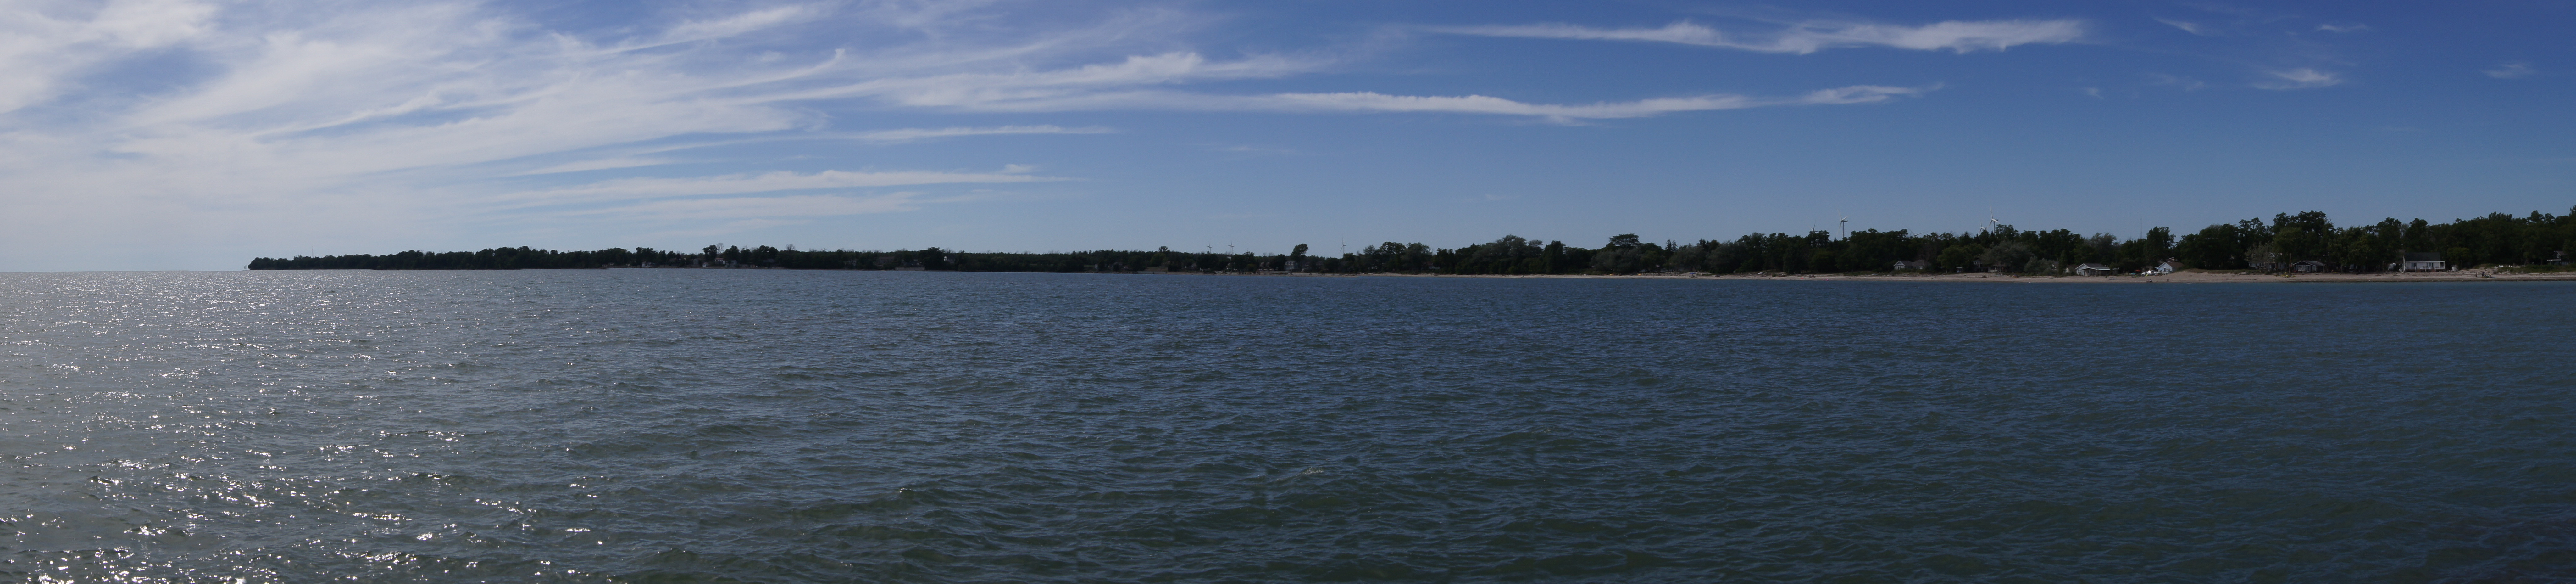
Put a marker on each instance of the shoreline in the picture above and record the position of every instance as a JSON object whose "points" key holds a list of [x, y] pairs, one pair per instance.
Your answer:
{"points": [[2185, 277]]}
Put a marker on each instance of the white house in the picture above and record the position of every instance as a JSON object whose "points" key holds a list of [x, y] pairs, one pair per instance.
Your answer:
{"points": [[2423, 262], [2168, 266]]}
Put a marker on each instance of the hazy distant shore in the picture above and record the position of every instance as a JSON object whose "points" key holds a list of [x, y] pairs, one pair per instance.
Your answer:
{"points": [[2184, 277]]}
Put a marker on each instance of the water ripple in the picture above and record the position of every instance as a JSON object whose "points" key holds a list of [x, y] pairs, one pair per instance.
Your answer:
{"points": [[689, 425]]}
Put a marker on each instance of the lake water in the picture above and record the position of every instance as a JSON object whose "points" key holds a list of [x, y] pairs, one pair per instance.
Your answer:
{"points": [[777, 426]]}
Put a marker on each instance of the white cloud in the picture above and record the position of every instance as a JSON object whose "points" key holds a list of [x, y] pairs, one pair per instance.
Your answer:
{"points": [[1372, 102], [2343, 27], [44, 45], [163, 124], [600, 164], [649, 188], [2189, 27], [910, 134], [2510, 71], [736, 24], [2300, 78], [1809, 37], [307, 120], [1859, 94], [1478, 104], [1055, 89], [758, 207]]}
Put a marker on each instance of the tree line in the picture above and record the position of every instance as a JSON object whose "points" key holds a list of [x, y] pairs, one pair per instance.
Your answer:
{"points": [[2495, 239]]}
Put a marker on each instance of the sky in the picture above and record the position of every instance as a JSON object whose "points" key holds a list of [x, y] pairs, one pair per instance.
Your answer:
{"points": [[197, 134]]}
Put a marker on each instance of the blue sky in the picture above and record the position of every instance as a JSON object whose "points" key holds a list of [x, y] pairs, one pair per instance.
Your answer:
{"points": [[188, 134]]}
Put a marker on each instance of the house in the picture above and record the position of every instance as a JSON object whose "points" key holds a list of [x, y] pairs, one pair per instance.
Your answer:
{"points": [[1907, 265], [2168, 266], [2308, 266], [2093, 270], [2558, 260], [2423, 262]]}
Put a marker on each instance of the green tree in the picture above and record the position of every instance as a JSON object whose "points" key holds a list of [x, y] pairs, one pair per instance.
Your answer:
{"points": [[2007, 256]]}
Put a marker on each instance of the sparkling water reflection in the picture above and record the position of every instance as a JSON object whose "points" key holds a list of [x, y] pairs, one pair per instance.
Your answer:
{"points": [[684, 425]]}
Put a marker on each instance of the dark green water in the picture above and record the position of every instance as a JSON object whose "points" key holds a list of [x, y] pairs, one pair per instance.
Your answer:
{"points": [[768, 426]]}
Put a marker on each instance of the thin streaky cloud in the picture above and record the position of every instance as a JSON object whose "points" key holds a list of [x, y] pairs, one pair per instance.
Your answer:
{"points": [[1363, 101], [738, 24], [756, 207], [1129, 84], [893, 136], [910, 134], [997, 90], [305, 116], [600, 164], [1373, 102], [2300, 78], [2189, 27], [1809, 37], [2343, 27], [652, 188], [2511, 71]]}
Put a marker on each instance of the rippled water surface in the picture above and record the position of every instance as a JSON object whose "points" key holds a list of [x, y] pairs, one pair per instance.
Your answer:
{"points": [[774, 426]]}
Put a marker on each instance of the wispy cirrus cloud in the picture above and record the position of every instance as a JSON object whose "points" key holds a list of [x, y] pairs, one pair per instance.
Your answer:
{"points": [[600, 164], [657, 188], [1149, 82], [1478, 104], [1002, 90], [2510, 71], [911, 134], [1812, 36], [2190, 27], [743, 22], [236, 122], [2300, 78], [725, 208]]}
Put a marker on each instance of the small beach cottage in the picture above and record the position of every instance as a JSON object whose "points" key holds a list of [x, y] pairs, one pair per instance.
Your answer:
{"points": [[2423, 262], [2168, 266], [1902, 265], [2308, 266], [2093, 270]]}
